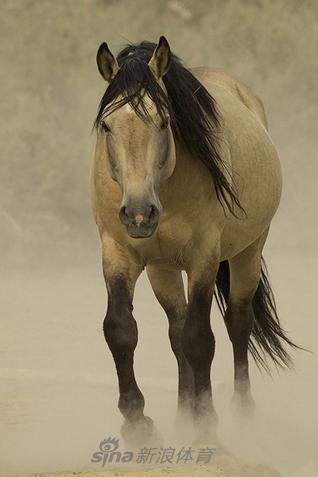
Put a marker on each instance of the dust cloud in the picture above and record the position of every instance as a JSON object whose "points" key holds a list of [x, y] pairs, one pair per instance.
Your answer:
{"points": [[58, 383]]}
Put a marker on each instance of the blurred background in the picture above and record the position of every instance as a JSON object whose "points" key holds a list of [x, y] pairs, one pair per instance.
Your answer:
{"points": [[51, 89], [52, 294]]}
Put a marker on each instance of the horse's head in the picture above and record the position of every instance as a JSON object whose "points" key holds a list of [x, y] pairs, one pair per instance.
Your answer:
{"points": [[134, 117]]}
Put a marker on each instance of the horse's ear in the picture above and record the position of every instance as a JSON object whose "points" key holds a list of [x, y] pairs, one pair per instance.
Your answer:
{"points": [[160, 60], [106, 62]]}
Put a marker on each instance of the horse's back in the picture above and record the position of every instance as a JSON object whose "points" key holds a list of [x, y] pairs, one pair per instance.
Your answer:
{"points": [[235, 86]]}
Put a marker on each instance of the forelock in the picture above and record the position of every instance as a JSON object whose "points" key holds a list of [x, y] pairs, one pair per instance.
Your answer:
{"points": [[134, 86]]}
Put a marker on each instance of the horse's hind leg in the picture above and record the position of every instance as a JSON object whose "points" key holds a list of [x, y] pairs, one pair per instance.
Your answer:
{"points": [[169, 290], [120, 329], [245, 270]]}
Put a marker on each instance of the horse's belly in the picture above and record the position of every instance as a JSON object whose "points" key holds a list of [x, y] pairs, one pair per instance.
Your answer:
{"points": [[260, 197], [237, 238]]}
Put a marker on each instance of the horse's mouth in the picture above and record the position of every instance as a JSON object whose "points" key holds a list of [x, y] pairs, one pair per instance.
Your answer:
{"points": [[141, 231]]}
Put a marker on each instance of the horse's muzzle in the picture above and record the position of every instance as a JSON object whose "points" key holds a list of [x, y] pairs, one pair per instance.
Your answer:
{"points": [[140, 222]]}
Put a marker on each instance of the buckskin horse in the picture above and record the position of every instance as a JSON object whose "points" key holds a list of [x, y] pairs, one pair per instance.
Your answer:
{"points": [[185, 178]]}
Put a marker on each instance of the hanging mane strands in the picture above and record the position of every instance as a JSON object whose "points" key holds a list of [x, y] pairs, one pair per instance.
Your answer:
{"points": [[194, 117]]}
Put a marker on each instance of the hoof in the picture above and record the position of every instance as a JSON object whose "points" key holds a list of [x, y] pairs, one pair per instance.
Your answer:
{"points": [[211, 440], [141, 433], [206, 430]]}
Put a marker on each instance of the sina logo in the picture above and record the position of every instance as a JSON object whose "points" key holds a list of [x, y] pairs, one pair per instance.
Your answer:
{"points": [[109, 453]]}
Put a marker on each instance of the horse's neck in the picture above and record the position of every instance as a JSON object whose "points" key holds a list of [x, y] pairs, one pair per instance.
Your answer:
{"points": [[190, 180]]}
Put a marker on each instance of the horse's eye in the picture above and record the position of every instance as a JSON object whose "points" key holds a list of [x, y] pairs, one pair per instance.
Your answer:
{"points": [[105, 127]]}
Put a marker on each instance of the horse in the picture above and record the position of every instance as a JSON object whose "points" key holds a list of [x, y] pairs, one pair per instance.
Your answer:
{"points": [[185, 178]]}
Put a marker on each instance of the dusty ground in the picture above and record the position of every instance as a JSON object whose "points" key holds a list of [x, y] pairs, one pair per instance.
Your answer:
{"points": [[59, 391], [178, 471], [185, 471]]}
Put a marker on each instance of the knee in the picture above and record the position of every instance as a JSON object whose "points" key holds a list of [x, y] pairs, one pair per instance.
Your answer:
{"points": [[239, 319], [240, 304], [120, 331], [198, 344]]}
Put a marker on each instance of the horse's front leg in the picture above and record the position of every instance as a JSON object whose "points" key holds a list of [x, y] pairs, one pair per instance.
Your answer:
{"points": [[199, 342], [169, 290], [121, 271]]}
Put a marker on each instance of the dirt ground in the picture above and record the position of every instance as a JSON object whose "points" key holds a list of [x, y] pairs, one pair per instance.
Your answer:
{"points": [[179, 471], [59, 389]]}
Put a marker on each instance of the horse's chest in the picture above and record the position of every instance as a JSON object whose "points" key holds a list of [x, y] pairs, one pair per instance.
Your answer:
{"points": [[168, 245]]}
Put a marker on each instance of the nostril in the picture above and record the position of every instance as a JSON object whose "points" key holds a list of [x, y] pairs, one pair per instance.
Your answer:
{"points": [[154, 212], [123, 215]]}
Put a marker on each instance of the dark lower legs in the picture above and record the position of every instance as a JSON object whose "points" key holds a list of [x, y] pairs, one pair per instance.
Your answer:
{"points": [[245, 271], [239, 321], [198, 347], [121, 335], [185, 375], [191, 339], [120, 330], [169, 290], [121, 270]]}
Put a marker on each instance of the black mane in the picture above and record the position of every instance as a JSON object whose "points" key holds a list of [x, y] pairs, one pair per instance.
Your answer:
{"points": [[194, 117]]}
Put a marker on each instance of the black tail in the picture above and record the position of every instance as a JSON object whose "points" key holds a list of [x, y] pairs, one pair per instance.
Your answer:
{"points": [[267, 338]]}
